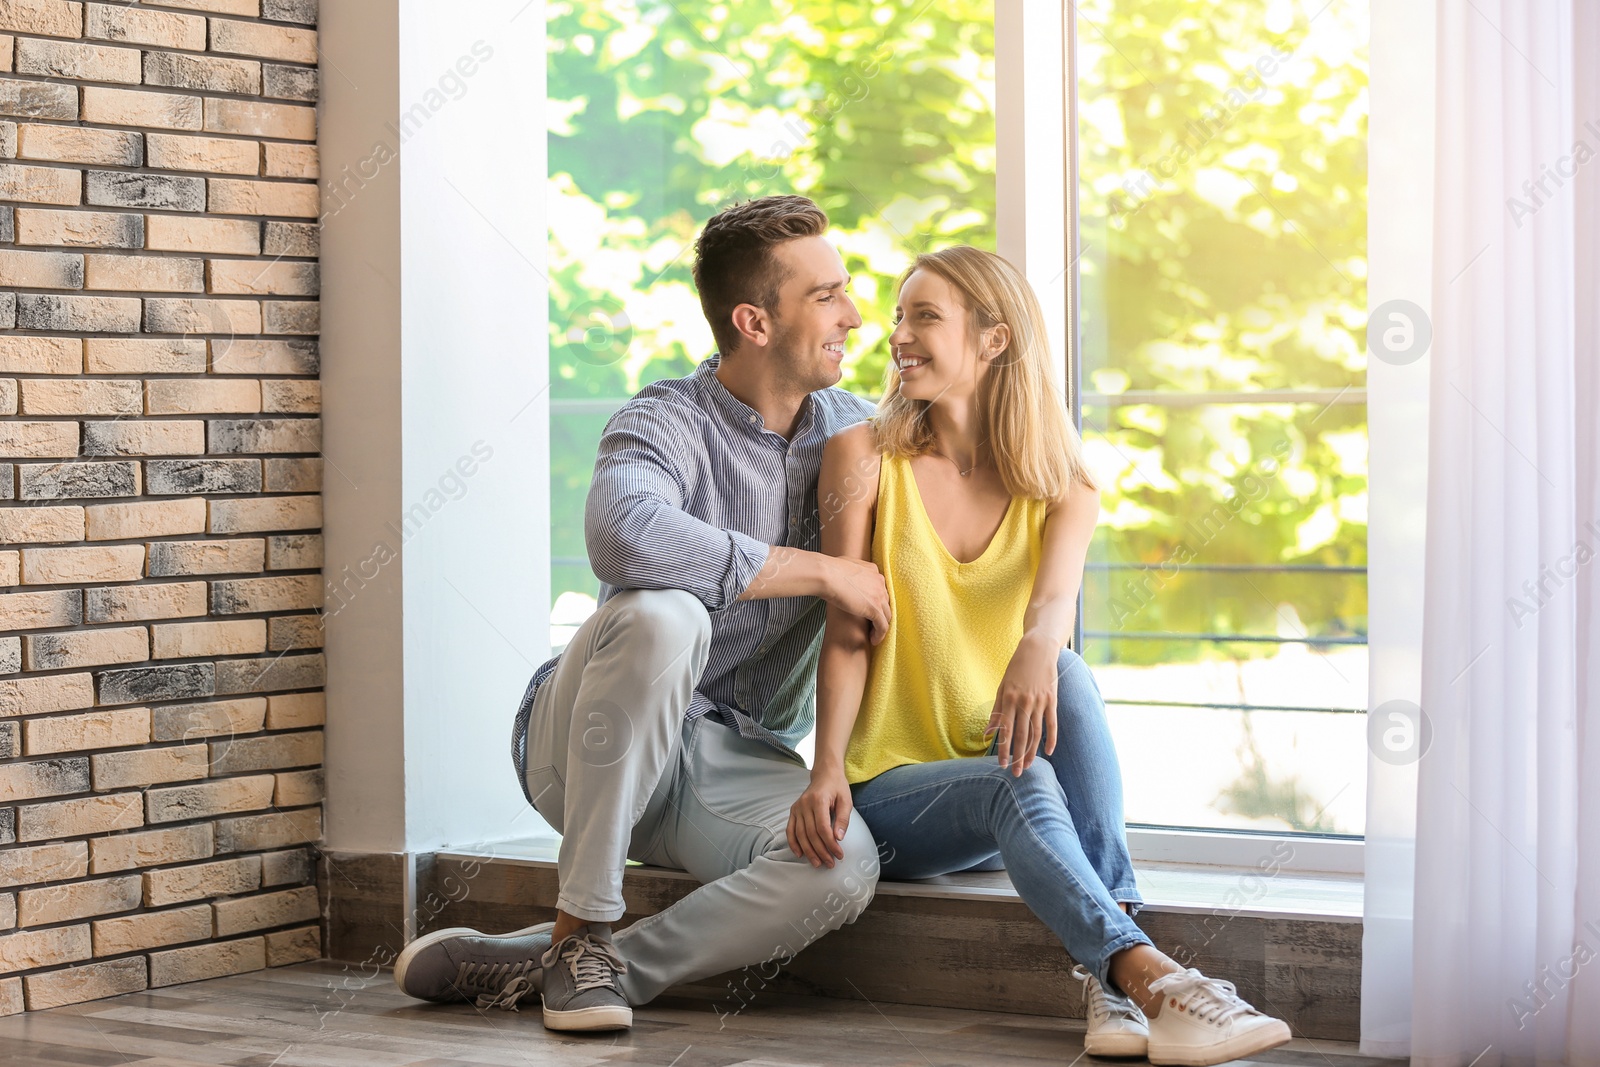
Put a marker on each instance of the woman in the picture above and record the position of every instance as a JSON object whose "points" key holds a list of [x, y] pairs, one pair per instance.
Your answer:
{"points": [[968, 490]]}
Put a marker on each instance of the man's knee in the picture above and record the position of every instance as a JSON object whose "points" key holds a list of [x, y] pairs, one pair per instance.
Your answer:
{"points": [[670, 628], [662, 607], [856, 874], [852, 880], [830, 897]]}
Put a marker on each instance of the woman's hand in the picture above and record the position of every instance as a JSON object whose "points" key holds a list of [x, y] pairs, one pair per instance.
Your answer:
{"points": [[818, 819], [1025, 708]]}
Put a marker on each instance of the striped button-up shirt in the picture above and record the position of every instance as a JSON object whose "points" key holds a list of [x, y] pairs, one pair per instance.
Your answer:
{"points": [[690, 492]]}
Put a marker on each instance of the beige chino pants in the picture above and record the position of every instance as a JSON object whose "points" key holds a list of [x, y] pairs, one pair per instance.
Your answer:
{"points": [[617, 770]]}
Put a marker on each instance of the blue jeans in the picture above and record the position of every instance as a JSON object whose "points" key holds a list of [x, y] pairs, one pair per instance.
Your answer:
{"points": [[1057, 828]]}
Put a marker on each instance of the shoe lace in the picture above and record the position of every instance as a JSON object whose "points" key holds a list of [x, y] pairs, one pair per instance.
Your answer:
{"points": [[594, 964], [497, 985], [1102, 1003], [1207, 999]]}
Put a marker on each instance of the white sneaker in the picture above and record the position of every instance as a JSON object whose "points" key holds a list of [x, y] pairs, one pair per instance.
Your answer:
{"points": [[1116, 1025], [1203, 1022]]}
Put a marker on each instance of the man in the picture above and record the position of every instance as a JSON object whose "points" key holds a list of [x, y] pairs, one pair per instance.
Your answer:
{"points": [[665, 731]]}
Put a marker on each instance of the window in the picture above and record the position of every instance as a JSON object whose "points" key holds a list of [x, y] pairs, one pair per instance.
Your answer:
{"points": [[1222, 201], [662, 113], [1222, 226]]}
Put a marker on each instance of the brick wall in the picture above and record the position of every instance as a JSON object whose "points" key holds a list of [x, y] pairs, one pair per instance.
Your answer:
{"points": [[160, 470]]}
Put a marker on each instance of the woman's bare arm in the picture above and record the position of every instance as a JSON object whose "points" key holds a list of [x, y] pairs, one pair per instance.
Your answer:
{"points": [[1068, 526], [847, 495]]}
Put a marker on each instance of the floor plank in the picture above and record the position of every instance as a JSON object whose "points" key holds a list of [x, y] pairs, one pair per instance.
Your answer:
{"points": [[335, 1015]]}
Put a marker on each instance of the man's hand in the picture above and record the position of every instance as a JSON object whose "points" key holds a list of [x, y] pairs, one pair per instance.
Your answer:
{"points": [[1025, 707], [857, 587], [854, 586], [817, 820]]}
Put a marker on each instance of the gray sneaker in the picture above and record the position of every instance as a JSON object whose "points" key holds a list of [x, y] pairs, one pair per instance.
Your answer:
{"points": [[580, 983], [491, 970]]}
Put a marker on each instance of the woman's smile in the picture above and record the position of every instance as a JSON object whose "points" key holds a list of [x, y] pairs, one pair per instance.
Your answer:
{"points": [[907, 362]]}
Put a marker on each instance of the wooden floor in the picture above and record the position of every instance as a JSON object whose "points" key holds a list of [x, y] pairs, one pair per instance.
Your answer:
{"points": [[333, 1015], [328, 1015]]}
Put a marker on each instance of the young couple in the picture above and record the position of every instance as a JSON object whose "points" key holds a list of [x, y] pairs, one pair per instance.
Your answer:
{"points": [[922, 608]]}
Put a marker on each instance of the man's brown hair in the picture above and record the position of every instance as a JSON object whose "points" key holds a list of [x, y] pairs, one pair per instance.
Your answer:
{"points": [[733, 260]]}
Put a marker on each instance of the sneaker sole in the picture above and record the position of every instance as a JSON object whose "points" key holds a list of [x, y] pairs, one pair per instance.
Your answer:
{"points": [[1246, 1044], [410, 952], [1116, 1045], [605, 1017]]}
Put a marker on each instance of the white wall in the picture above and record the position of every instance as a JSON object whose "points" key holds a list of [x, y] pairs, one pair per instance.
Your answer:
{"points": [[434, 367]]}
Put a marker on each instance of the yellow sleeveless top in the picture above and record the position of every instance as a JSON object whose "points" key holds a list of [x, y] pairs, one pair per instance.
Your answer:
{"points": [[953, 630]]}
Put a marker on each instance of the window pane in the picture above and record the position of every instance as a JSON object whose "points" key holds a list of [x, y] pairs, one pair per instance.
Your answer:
{"points": [[1223, 221], [662, 113], [1278, 770]]}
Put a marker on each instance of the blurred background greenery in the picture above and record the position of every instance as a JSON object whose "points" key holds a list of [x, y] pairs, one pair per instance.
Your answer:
{"points": [[1222, 189]]}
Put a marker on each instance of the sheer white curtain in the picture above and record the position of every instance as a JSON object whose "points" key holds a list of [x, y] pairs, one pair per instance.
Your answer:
{"points": [[1400, 254], [1506, 929]]}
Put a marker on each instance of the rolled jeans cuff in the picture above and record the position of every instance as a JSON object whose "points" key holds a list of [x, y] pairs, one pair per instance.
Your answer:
{"points": [[1128, 895]]}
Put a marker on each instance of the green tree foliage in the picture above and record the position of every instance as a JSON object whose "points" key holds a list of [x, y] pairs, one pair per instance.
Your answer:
{"points": [[1223, 202]]}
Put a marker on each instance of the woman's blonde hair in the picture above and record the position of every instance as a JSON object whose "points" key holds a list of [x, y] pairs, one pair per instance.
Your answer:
{"points": [[1023, 425]]}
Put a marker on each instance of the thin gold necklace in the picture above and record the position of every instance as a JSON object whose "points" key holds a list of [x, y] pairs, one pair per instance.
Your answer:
{"points": [[954, 464]]}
